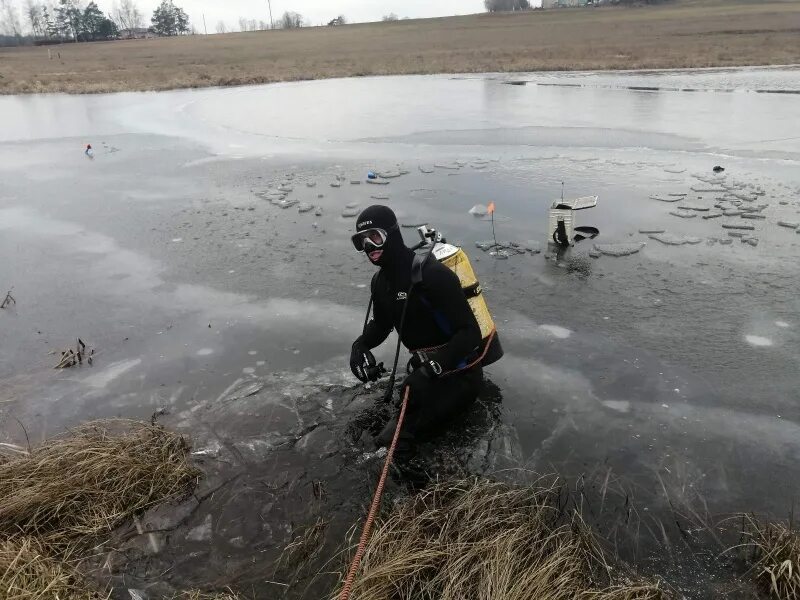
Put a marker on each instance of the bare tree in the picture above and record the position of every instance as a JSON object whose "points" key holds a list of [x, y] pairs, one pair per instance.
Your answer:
{"points": [[221, 27], [35, 14], [291, 20], [127, 15], [390, 17], [263, 25], [340, 20], [9, 19], [252, 25], [242, 24]]}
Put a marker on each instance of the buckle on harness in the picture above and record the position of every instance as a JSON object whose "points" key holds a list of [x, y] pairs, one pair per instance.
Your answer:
{"points": [[435, 367]]}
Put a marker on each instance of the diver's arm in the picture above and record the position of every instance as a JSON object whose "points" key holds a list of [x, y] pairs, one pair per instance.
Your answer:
{"points": [[443, 289], [379, 327]]}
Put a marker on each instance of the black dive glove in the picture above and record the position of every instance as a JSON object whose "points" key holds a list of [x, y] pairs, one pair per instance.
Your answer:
{"points": [[362, 363], [419, 385]]}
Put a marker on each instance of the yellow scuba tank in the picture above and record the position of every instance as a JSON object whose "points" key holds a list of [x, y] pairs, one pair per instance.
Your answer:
{"points": [[456, 260]]}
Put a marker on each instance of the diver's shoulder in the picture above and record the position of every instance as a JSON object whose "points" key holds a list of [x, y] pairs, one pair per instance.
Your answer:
{"points": [[434, 270]]}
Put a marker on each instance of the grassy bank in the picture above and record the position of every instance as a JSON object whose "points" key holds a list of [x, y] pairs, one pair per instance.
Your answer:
{"points": [[484, 540], [59, 502], [455, 540], [686, 33]]}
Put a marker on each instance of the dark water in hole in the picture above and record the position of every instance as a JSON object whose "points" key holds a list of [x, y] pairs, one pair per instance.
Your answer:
{"points": [[669, 374]]}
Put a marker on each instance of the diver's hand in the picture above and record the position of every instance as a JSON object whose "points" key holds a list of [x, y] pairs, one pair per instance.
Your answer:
{"points": [[361, 359]]}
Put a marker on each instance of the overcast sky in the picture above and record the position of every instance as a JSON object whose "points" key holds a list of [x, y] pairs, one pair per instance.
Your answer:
{"points": [[315, 11]]}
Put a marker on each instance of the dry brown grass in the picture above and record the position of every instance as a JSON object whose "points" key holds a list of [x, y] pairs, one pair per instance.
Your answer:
{"points": [[28, 573], [687, 33], [481, 540], [773, 550], [75, 488], [58, 500]]}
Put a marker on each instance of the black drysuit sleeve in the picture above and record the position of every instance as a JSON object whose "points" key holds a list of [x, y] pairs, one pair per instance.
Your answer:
{"points": [[380, 326], [443, 289]]}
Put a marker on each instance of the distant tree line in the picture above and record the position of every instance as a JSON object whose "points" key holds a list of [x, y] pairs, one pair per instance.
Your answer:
{"points": [[66, 20], [506, 5], [76, 21]]}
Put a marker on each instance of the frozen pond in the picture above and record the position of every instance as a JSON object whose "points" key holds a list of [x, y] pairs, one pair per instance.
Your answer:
{"points": [[169, 253]]}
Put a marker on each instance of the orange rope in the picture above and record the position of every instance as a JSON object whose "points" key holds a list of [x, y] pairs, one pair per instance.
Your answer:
{"points": [[376, 499], [373, 510]]}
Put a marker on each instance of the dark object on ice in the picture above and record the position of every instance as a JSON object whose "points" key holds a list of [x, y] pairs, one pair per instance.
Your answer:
{"points": [[9, 300], [71, 358], [372, 175], [560, 235], [718, 169], [585, 233], [582, 232]]}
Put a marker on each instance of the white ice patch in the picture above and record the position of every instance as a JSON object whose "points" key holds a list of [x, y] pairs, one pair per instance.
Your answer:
{"points": [[622, 406], [260, 363], [367, 456], [212, 449], [102, 379], [248, 370], [561, 333], [757, 340], [176, 240], [782, 324], [205, 352], [253, 352]]}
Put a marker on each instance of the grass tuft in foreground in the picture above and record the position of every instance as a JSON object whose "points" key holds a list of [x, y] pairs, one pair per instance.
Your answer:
{"points": [[485, 540], [26, 573], [58, 500], [773, 551], [74, 488]]}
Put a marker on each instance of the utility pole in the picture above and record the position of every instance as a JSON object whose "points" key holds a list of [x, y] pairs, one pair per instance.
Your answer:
{"points": [[204, 23], [271, 22]]}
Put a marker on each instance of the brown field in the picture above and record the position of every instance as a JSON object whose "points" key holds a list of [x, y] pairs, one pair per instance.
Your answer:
{"points": [[686, 33]]}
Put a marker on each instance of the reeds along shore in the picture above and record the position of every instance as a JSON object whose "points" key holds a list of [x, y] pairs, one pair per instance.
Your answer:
{"points": [[470, 539], [485, 540], [59, 501]]}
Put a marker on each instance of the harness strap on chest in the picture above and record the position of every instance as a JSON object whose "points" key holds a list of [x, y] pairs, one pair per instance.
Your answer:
{"points": [[416, 267]]}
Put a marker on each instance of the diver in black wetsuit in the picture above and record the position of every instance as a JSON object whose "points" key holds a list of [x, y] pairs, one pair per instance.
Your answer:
{"points": [[439, 330]]}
